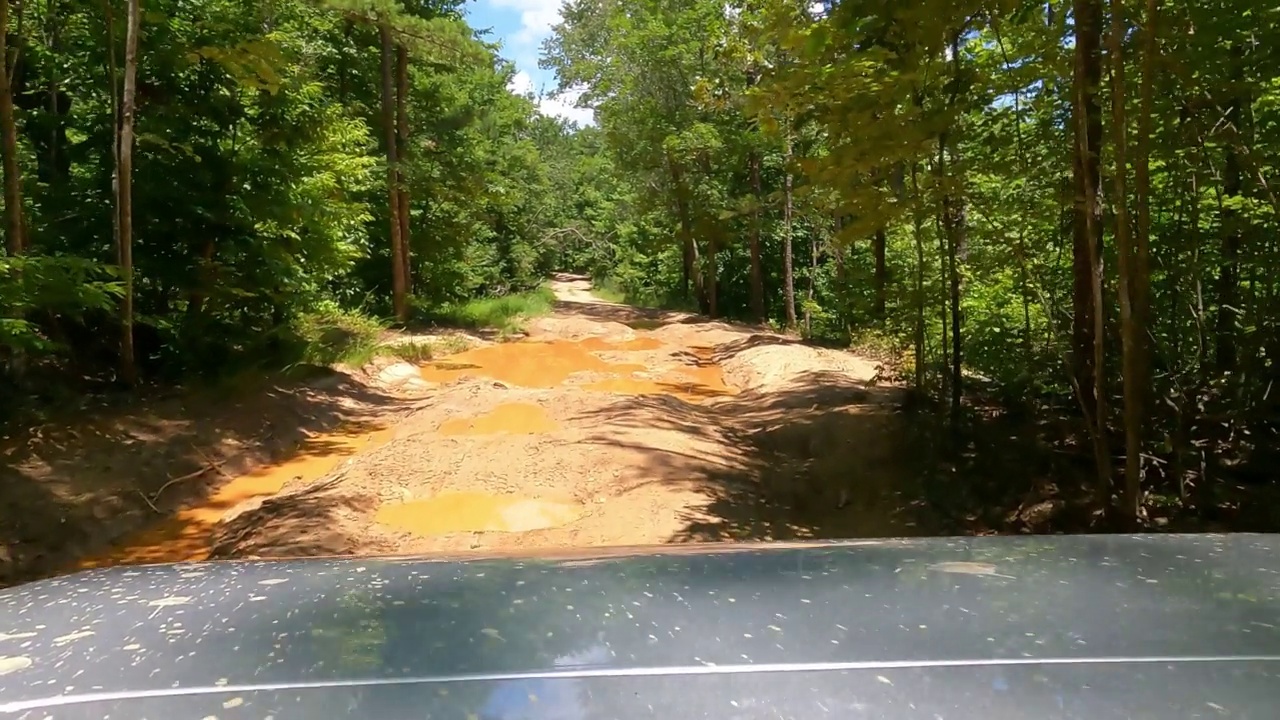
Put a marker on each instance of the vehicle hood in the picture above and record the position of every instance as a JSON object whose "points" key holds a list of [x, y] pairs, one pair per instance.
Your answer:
{"points": [[1043, 627]]}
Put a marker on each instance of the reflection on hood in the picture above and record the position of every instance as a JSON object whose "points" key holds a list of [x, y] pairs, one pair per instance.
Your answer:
{"points": [[542, 699]]}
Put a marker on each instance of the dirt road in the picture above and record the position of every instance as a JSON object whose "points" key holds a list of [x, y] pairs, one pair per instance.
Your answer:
{"points": [[607, 425], [610, 425]]}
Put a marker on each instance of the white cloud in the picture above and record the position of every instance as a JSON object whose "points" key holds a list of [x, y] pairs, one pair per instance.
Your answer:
{"points": [[560, 105], [536, 18], [521, 83], [564, 106]]}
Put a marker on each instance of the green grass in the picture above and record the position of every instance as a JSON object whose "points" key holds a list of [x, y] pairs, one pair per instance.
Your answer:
{"points": [[419, 352], [505, 314], [331, 336], [609, 291]]}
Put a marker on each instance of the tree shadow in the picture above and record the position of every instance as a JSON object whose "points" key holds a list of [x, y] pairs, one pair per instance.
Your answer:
{"points": [[821, 457], [77, 486]]}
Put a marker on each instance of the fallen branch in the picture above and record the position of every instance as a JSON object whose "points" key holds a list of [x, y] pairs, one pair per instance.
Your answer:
{"points": [[210, 465], [213, 465]]}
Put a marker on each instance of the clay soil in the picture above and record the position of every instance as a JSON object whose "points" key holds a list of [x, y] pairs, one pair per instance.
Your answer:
{"points": [[607, 425]]}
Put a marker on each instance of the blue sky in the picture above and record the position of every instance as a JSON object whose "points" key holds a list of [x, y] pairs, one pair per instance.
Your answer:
{"points": [[521, 26]]}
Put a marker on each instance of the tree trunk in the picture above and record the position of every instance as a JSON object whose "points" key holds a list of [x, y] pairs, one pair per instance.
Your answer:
{"points": [[113, 80], [713, 273], [1087, 213], [402, 142], [1229, 275], [917, 234], [813, 277], [1088, 336], [757, 271], [128, 367], [690, 271], [13, 226], [952, 225], [955, 224], [1130, 332], [788, 271], [877, 245], [399, 291], [1142, 245]]}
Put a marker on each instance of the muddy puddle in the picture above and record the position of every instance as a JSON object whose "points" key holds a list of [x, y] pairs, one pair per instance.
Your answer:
{"points": [[186, 535], [554, 364], [514, 418], [476, 512], [692, 376]]}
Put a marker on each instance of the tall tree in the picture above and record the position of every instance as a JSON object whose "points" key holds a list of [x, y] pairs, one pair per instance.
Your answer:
{"points": [[757, 269], [129, 103], [402, 143], [13, 226], [399, 273], [1130, 332], [788, 261], [1086, 173]]}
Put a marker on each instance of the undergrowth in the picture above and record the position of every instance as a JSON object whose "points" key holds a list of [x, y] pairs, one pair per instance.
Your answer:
{"points": [[331, 335], [506, 313]]}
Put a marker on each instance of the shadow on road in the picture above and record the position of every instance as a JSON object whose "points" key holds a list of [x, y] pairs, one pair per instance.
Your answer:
{"points": [[821, 457], [70, 490]]}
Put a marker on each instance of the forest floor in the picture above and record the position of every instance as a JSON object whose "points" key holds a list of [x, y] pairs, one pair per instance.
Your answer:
{"points": [[606, 425]]}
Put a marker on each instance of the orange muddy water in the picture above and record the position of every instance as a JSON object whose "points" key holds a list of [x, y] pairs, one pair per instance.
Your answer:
{"points": [[187, 535], [517, 418], [476, 512]]}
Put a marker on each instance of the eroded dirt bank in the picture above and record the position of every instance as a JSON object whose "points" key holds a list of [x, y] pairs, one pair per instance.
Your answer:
{"points": [[608, 425]]}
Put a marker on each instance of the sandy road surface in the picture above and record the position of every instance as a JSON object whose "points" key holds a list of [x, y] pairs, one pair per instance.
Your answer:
{"points": [[608, 425]]}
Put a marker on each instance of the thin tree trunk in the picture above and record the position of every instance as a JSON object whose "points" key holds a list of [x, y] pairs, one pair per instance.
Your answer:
{"points": [[757, 270], [128, 367], [881, 277], [713, 272], [402, 142], [399, 291], [788, 271], [944, 374], [690, 271], [1088, 336], [957, 243], [1087, 214], [1130, 333], [1142, 288], [1229, 275], [917, 234], [14, 237], [113, 80], [952, 217], [809, 287], [56, 121]]}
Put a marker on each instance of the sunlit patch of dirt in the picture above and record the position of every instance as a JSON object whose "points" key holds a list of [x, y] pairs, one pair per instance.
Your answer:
{"points": [[597, 344]]}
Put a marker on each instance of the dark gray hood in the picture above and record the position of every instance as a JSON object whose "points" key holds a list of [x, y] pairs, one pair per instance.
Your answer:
{"points": [[1063, 627]]}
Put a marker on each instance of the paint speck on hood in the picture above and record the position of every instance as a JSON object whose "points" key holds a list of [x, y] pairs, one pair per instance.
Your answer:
{"points": [[71, 637], [13, 664]]}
